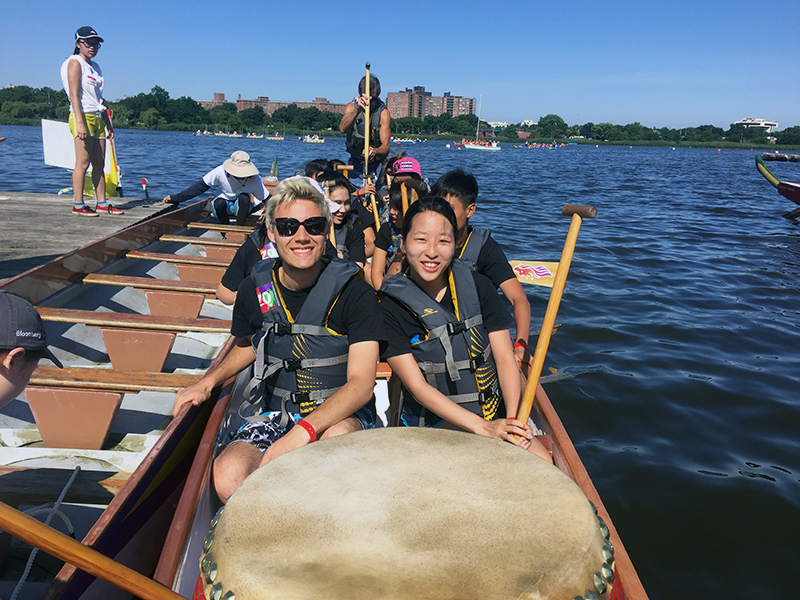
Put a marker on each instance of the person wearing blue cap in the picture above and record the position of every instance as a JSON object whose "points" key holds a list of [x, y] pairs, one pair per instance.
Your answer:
{"points": [[23, 342]]}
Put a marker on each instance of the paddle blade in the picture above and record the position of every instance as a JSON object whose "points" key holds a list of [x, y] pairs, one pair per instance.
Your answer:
{"points": [[535, 272], [273, 172]]}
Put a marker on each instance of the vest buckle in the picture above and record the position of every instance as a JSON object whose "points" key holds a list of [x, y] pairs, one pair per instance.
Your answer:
{"points": [[476, 362], [300, 398], [291, 364], [282, 328], [456, 327]]}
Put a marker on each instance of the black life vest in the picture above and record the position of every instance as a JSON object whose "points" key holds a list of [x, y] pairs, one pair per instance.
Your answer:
{"points": [[351, 221], [471, 249], [265, 248], [455, 356], [300, 361], [354, 144], [394, 249]]}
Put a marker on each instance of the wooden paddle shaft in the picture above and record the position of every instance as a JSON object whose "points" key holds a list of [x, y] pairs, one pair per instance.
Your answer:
{"points": [[367, 126], [560, 280], [65, 548]]}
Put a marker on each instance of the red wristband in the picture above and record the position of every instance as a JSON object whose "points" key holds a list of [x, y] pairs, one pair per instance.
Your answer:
{"points": [[358, 193], [312, 433], [520, 343]]}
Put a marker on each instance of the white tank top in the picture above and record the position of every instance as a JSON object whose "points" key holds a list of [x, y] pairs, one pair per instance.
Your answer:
{"points": [[91, 92]]}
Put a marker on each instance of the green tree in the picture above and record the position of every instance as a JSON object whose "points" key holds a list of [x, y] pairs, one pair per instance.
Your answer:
{"points": [[253, 117], [552, 126], [789, 136], [586, 130], [285, 114], [150, 118], [634, 131], [511, 132], [160, 98]]}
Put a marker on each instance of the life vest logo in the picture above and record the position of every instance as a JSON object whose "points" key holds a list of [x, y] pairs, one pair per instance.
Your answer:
{"points": [[428, 312], [268, 251], [267, 298]]}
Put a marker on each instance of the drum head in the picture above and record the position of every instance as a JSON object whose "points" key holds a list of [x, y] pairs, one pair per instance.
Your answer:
{"points": [[405, 513]]}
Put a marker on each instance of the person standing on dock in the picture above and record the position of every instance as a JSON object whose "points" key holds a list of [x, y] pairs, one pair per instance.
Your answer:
{"points": [[88, 120], [23, 342], [237, 179], [379, 130]]}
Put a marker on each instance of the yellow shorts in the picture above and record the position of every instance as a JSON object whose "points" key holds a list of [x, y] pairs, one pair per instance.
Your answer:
{"points": [[95, 126]]}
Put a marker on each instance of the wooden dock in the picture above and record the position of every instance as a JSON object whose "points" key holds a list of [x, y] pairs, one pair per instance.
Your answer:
{"points": [[36, 228]]}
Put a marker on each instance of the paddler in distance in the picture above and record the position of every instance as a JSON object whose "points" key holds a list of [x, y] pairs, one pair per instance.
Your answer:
{"points": [[312, 327]]}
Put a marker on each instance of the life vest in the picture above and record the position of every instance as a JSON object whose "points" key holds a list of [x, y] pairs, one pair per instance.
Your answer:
{"points": [[394, 249], [354, 143], [265, 248], [455, 356], [471, 249], [349, 223], [300, 361]]}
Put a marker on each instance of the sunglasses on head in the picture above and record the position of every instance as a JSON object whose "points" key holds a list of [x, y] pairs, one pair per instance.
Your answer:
{"points": [[286, 226]]}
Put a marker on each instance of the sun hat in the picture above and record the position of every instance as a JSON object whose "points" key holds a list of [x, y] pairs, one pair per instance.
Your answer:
{"points": [[240, 165], [22, 327], [86, 32], [406, 165]]}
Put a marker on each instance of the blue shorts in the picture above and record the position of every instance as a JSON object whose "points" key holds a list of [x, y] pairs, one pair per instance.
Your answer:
{"points": [[262, 434], [232, 206]]}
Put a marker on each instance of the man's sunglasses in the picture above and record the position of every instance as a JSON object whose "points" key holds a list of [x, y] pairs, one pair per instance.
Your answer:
{"points": [[286, 226]]}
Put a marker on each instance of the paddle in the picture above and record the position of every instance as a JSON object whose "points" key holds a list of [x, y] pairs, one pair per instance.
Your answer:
{"points": [[577, 213], [534, 272], [367, 132], [65, 548]]}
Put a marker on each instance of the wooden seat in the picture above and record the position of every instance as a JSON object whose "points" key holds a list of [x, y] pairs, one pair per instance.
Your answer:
{"points": [[110, 380], [166, 297], [200, 241], [133, 320], [178, 258], [245, 229]]}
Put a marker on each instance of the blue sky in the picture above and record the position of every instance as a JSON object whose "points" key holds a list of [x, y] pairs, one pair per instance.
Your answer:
{"points": [[670, 63]]}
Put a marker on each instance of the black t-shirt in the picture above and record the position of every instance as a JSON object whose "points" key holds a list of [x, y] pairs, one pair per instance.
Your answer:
{"points": [[493, 263], [402, 326], [384, 238], [243, 262], [355, 313]]}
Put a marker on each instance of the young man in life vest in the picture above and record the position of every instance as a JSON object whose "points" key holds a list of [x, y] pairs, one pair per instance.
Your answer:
{"points": [[312, 327], [378, 130], [477, 248]]}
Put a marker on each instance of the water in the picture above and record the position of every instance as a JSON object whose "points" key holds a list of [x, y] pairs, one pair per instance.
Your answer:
{"points": [[677, 332]]}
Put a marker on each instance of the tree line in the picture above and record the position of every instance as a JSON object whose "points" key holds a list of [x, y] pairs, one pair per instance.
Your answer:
{"points": [[23, 105]]}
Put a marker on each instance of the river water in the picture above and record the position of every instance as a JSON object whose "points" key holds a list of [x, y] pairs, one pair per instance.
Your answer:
{"points": [[679, 329]]}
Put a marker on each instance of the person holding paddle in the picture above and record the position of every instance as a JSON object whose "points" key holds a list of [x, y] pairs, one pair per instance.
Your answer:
{"points": [[88, 120], [448, 336], [377, 132], [479, 251], [312, 327]]}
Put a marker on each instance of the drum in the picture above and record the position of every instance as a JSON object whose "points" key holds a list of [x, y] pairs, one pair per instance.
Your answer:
{"points": [[407, 513]]}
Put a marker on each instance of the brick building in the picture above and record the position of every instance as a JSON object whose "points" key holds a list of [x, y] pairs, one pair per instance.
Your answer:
{"points": [[270, 106], [219, 100], [416, 102]]}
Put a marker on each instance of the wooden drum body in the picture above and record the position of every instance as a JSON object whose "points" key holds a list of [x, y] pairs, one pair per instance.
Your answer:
{"points": [[407, 513]]}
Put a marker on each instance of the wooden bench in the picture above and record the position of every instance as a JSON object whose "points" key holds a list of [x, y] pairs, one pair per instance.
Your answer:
{"points": [[215, 247], [135, 342], [234, 233], [74, 408], [178, 258], [166, 297]]}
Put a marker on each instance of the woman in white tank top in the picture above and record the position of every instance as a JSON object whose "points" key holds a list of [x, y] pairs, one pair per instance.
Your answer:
{"points": [[88, 120]]}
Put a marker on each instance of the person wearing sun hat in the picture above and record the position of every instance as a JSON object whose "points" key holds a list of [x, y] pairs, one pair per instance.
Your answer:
{"points": [[23, 342], [88, 120], [237, 179]]}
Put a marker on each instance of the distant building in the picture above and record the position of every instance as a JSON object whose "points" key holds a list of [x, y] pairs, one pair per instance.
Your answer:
{"points": [[529, 123], [416, 102], [497, 124], [768, 126], [219, 100], [270, 106]]}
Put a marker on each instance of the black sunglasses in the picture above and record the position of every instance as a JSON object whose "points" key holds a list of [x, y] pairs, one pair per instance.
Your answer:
{"points": [[92, 43], [287, 226]]}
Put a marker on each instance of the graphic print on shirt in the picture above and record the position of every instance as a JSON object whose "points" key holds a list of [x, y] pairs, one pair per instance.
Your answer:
{"points": [[267, 298]]}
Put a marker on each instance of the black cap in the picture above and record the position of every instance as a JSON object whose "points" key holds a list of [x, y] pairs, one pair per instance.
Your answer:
{"points": [[86, 32], [22, 327]]}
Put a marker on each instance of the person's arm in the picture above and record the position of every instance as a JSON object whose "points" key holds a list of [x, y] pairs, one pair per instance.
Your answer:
{"points": [[507, 370], [362, 365], [74, 80], [240, 357], [512, 290], [192, 191], [385, 132], [406, 368], [378, 265], [225, 295], [369, 241], [107, 120], [348, 118]]}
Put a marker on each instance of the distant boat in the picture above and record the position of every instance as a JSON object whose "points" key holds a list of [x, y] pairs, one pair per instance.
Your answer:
{"points": [[313, 139], [275, 138], [253, 136]]}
